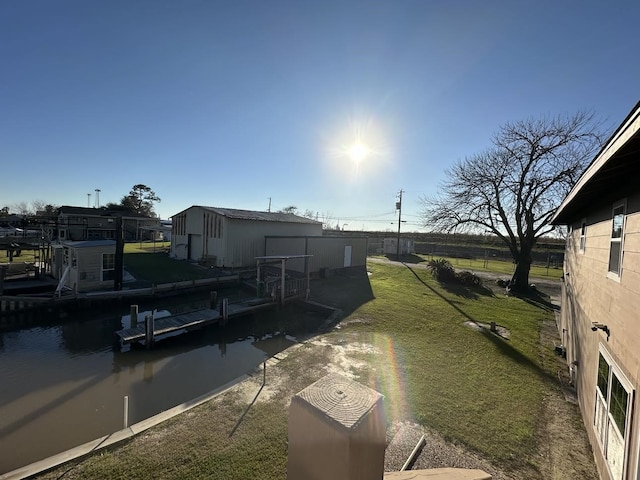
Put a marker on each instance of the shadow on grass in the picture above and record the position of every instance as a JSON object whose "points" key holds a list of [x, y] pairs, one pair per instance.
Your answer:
{"points": [[470, 293], [502, 344], [406, 258], [508, 350], [347, 290], [239, 422], [537, 299]]}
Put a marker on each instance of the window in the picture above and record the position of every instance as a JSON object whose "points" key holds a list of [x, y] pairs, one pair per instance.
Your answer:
{"points": [[583, 234], [108, 266], [612, 413], [617, 233]]}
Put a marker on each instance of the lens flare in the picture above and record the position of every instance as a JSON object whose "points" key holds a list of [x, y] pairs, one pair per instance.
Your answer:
{"points": [[389, 377]]}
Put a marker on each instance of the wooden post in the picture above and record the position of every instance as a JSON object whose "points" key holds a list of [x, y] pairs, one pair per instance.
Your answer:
{"points": [[213, 302], [225, 311], [133, 309], [308, 286], [148, 334], [258, 293], [3, 271], [282, 282], [126, 412], [119, 255]]}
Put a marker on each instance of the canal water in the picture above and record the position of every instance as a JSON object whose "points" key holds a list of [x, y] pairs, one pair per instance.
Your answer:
{"points": [[63, 384]]}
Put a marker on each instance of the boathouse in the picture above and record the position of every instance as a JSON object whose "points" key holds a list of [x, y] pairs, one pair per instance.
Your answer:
{"points": [[326, 253], [227, 237], [84, 266]]}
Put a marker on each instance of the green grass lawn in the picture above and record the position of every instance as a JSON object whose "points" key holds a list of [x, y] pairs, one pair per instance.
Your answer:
{"points": [[472, 387], [497, 266], [26, 256], [156, 268]]}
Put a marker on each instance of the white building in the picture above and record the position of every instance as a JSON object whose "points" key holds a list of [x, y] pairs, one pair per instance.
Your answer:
{"points": [[390, 246], [84, 266], [226, 237]]}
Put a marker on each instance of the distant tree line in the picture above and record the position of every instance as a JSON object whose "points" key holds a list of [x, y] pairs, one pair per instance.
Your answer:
{"points": [[140, 199]]}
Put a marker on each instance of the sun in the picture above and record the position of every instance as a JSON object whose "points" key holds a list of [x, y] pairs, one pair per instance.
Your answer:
{"points": [[358, 152]]}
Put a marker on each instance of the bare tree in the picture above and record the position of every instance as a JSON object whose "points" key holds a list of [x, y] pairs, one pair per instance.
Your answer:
{"points": [[513, 188], [38, 205], [21, 208], [289, 209], [327, 220]]}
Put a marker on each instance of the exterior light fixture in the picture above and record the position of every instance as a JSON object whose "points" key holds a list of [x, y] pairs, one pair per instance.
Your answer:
{"points": [[600, 326]]}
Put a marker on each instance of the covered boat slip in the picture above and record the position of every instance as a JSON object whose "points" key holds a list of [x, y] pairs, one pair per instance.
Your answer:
{"points": [[274, 286], [276, 282]]}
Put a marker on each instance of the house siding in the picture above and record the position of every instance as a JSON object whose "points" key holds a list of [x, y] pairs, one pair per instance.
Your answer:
{"points": [[86, 275], [591, 294]]}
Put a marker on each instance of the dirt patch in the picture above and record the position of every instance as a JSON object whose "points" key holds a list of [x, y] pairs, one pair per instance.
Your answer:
{"points": [[564, 450], [497, 330]]}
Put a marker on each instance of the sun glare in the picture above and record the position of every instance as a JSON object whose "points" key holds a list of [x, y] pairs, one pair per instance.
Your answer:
{"points": [[358, 152]]}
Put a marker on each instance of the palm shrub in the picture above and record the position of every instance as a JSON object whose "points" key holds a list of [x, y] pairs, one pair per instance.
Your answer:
{"points": [[441, 269]]}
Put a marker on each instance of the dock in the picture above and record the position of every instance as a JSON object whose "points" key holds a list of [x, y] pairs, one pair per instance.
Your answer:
{"points": [[195, 319]]}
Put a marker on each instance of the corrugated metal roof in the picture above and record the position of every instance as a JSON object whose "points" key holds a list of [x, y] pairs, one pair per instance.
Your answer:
{"points": [[259, 216]]}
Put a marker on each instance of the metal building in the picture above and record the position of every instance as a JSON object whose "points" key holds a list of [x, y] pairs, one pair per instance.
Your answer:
{"points": [[227, 237]]}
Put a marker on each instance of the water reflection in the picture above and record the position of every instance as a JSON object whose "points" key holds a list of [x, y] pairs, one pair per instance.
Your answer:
{"points": [[64, 384]]}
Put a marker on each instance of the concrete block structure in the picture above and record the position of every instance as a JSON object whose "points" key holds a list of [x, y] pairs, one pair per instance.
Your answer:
{"points": [[336, 432]]}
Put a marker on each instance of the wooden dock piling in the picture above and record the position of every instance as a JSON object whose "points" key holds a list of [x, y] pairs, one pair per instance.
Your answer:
{"points": [[134, 315], [214, 300], [149, 331]]}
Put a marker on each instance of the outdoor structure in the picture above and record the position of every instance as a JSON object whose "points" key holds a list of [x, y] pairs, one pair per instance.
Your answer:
{"points": [[337, 431], [599, 323], [326, 253], [390, 246], [226, 237], [80, 223], [84, 266]]}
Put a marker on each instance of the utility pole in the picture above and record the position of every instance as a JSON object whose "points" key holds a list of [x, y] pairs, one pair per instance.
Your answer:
{"points": [[269, 205], [399, 208]]}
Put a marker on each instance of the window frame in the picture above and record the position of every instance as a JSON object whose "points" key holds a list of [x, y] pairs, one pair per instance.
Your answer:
{"points": [[615, 275], [105, 271], [583, 235], [614, 370]]}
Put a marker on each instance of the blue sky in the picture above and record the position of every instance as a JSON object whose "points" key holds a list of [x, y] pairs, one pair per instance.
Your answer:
{"points": [[230, 103]]}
